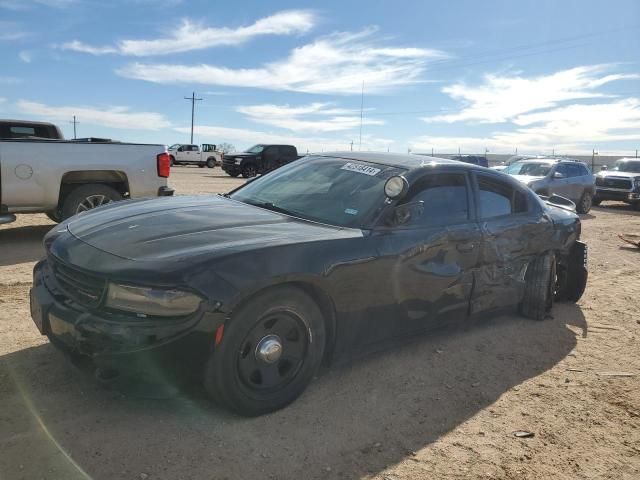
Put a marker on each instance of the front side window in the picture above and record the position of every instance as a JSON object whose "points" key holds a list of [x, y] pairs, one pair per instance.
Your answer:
{"points": [[256, 149], [497, 198], [335, 191], [529, 169], [444, 198]]}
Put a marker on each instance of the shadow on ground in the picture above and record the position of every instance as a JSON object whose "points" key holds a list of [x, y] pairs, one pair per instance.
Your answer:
{"points": [[352, 421], [22, 244]]}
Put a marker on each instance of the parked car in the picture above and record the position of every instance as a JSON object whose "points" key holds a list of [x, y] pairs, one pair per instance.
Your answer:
{"points": [[548, 176], [473, 159], [321, 260], [18, 129], [516, 158], [621, 183], [207, 156], [61, 177], [258, 159]]}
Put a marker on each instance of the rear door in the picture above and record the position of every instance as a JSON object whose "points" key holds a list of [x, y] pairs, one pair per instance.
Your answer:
{"points": [[514, 227]]}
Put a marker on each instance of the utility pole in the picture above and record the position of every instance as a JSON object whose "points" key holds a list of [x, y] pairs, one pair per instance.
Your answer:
{"points": [[361, 109], [193, 101], [75, 122], [352, 145]]}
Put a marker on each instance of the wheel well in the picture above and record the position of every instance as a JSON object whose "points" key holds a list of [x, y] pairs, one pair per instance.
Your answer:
{"points": [[112, 178], [321, 298]]}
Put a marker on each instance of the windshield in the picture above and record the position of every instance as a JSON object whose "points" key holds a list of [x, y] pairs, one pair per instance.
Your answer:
{"points": [[632, 166], [529, 169], [175, 146], [336, 191], [256, 149]]}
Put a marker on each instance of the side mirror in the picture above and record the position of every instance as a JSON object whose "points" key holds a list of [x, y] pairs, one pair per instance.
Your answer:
{"points": [[403, 213], [558, 175], [603, 168]]}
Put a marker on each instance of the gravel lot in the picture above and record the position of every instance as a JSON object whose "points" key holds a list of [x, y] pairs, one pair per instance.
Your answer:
{"points": [[445, 406]]}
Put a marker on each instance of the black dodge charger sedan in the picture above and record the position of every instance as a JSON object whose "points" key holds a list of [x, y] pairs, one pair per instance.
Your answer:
{"points": [[325, 258]]}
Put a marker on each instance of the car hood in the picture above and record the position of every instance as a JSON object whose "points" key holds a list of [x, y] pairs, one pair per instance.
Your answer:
{"points": [[615, 173], [185, 227], [526, 179]]}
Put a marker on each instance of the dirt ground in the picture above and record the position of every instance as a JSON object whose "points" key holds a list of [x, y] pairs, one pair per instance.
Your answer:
{"points": [[445, 406]]}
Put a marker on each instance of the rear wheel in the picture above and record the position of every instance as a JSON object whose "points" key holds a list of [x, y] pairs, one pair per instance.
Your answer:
{"points": [[539, 290], [585, 203], [270, 351], [88, 197], [211, 162], [249, 170]]}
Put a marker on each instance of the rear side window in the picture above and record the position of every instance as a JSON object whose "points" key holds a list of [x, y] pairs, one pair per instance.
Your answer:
{"points": [[10, 131], [445, 200], [497, 198]]}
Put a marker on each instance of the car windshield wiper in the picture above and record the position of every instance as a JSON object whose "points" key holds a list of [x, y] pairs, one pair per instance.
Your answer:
{"points": [[274, 208]]}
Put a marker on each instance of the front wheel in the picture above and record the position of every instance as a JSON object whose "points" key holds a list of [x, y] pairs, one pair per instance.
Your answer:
{"points": [[572, 277], [88, 197], [271, 349], [585, 203], [211, 162], [249, 171]]}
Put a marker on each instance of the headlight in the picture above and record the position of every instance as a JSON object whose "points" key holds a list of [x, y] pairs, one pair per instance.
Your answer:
{"points": [[238, 161], [151, 301]]}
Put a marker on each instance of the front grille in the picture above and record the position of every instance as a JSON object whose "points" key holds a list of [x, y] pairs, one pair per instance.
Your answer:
{"points": [[229, 161], [77, 285], [609, 182]]}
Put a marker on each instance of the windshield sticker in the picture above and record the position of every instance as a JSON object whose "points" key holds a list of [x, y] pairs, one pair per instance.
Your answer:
{"points": [[350, 211], [355, 167]]}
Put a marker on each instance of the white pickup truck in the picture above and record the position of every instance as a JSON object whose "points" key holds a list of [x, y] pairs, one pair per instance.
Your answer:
{"points": [[186, 154], [42, 173]]}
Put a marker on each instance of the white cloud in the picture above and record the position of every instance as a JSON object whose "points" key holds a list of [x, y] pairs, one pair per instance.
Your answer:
{"points": [[10, 31], [336, 64], [114, 117], [570, 129], [189, 36], [502, 98], [244, 138], [25, 56], [4, 80], [27, 4], [315, 117]]}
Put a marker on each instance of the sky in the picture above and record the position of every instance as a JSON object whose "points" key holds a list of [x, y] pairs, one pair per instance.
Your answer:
{"points": [[471, 76]]}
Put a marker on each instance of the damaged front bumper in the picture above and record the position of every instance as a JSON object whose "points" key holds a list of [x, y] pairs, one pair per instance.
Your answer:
{"points": [[120, 342]]}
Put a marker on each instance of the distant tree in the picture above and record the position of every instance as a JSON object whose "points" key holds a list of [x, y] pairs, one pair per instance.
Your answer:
{"points": [[226, 147]]}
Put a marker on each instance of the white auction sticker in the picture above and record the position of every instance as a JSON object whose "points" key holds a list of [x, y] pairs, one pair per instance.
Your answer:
{"points": [[355, 167]]}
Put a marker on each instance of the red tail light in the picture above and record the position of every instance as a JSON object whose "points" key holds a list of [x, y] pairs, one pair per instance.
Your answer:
{"points": [[164, 165]]}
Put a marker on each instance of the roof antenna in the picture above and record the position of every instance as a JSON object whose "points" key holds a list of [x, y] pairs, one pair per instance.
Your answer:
{"points": [[361, 108]]}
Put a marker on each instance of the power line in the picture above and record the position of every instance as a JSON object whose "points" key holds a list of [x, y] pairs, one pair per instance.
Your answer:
{"points": [[193, 101]]}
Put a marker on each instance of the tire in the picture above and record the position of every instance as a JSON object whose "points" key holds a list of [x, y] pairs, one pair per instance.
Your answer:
{"points": [[54, 216], [636, 206], [237, 377], [211, 162], [172, 160], [572, 279], [88, 197], [234, 174], [249, 170], [539, 293], [585, 203], [596, 201]]}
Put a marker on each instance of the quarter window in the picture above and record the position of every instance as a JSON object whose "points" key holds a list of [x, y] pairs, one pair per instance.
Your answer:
{"points": [[497, 198]]}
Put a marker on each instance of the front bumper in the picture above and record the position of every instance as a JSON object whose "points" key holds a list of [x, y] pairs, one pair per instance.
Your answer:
{"points": [[119, 342], [619, 195]]}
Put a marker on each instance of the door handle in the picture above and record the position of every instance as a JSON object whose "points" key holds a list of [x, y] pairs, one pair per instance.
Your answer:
{"points": [[465, 247]]}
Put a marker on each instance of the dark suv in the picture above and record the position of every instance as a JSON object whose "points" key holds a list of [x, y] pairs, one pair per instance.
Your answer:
{"points": [[258, 159]]}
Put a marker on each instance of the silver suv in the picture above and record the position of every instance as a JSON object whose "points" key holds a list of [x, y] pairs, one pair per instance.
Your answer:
{"points": [[569, 178]]}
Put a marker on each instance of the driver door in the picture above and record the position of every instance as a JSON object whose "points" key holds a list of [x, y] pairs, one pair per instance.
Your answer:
{"points": [[431, 257]]}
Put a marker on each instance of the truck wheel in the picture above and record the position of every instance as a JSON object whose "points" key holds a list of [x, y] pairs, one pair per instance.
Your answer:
{"points": [[269, 352], [584, 205], [249, 171], [54, 215], [211, 162], [539, 290], [88, 197], [572, 280]]}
